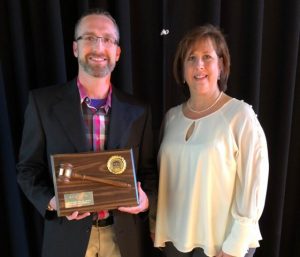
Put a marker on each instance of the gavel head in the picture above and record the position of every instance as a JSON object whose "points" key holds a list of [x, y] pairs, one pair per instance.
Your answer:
{"points": [[65, 172]]}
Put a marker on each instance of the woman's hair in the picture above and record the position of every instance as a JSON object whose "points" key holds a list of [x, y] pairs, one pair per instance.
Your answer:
{"points": [[187, 43]]}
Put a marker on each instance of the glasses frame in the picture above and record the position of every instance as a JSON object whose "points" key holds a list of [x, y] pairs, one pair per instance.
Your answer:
{"points": [[92, 39]]}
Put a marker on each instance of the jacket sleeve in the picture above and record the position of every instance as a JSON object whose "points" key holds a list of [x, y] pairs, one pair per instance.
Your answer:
{"points": [[147, 164], [33, 175]]}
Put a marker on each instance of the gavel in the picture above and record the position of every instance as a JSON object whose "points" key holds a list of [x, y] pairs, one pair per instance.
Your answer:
{"points": [[66, 172]]}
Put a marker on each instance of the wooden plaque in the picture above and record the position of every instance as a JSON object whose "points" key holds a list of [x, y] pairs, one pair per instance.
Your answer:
{"points": [[93, 181]]}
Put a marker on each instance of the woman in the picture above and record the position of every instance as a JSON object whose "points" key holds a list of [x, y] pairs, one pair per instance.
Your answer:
{"points": [[213, 159]]}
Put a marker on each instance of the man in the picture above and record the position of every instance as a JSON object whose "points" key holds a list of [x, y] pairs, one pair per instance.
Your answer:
{"points": [[87, 114]]}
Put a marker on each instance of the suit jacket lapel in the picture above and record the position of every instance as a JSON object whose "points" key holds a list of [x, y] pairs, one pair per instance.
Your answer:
{"points": [[68, 112], [120, 122]]}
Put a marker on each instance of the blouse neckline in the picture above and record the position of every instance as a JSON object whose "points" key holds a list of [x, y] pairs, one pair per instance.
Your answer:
{"points": [[208, 115]]}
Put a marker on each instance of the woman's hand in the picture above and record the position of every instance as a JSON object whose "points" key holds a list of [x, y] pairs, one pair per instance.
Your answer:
{"points": [[143, 203], [222, 254], [152, 235]]}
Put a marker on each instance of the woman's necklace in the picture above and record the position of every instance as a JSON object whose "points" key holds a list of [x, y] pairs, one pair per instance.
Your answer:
{"points": [[208, 108]]}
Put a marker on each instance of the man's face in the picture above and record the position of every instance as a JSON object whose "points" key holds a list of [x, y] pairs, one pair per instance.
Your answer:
{"points": [[96, 48]]}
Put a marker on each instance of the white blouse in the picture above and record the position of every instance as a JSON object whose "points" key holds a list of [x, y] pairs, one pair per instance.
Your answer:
{"points": [[212, 186]]}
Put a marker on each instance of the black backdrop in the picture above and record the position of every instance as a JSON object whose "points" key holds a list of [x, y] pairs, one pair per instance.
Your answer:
{"points": [[263, 37]]}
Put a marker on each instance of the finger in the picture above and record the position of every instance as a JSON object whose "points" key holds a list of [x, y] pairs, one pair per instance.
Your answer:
{"points": [[132, 210], [76, 216], [139, 186], [152, 235], [135, 209], [143, 203], [53, 203], [218, 255], [83, 215], [72, 216]]}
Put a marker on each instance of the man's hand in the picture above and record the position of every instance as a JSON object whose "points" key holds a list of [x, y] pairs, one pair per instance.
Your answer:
{"points": [[74, 216], [78, 216], [143, 200], [52, 204]]}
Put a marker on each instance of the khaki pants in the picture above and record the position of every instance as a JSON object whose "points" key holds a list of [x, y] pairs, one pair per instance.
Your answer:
{"points": [[102, 243]]}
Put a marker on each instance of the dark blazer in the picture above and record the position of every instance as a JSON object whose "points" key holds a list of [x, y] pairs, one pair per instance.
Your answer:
{"points": [[54, 124]]}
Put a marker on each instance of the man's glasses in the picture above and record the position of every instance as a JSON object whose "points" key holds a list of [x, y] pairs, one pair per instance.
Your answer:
{"points": [[92, 40]]}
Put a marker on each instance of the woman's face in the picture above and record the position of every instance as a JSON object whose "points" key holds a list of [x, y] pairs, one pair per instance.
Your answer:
{"points": [[202, 68]]}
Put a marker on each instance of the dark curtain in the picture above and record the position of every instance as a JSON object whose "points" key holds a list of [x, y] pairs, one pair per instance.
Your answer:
{"points": [[263, 37]]}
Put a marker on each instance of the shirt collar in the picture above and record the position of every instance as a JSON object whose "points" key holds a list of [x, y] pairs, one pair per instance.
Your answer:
{"points": [[83, 96]]}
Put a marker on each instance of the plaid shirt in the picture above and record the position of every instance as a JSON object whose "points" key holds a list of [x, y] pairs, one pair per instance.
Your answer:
{"points": [[96, 121]]}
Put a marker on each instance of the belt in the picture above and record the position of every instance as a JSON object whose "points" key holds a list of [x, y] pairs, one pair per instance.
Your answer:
{"points": [[104, 222]]}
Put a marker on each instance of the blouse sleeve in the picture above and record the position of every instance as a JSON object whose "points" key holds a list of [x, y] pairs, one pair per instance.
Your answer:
{"points": [[251, 182]]}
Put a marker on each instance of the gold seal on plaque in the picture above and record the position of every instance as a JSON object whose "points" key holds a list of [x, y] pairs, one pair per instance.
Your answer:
{"points": [[116, 164]]}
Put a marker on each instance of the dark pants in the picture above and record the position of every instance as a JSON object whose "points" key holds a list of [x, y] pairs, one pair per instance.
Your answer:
{"points": [[171, 251]]}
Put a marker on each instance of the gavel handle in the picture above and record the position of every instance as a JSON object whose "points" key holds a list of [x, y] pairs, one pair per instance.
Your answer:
{"points": [[101, 180]]}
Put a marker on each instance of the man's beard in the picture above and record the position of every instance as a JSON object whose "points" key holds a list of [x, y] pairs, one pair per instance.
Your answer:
{"points": [[95, 70]]}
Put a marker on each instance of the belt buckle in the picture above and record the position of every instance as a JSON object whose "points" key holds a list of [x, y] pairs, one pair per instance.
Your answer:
{"points": [[103, 222]]}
